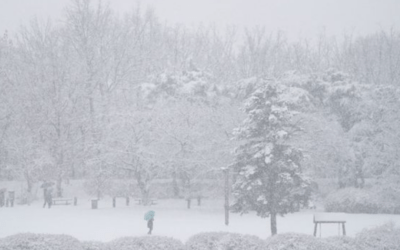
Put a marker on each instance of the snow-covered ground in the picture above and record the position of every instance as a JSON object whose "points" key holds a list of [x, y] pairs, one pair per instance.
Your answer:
{"points": [[172, 219]]}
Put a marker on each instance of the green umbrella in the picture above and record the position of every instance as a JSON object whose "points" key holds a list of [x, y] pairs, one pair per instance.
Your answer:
{"points": [[149, 215]]}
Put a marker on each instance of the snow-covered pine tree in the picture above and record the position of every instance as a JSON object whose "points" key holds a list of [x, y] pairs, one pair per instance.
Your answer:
{"points": [[269, 178]]}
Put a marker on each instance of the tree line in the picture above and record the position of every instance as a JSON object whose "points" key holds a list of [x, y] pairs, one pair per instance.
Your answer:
{"points": [[99, 96]]}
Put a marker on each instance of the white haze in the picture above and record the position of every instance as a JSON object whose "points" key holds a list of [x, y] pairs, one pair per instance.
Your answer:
{"points": [[304, 19]]}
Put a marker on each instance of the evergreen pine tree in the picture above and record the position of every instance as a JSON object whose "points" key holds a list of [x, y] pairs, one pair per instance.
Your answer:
{"points": [[269, 178]]}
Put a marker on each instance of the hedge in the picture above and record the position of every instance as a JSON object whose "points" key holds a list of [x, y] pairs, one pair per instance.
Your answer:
{"points": [[234, 241], [93, 245], [374, 200], [382, 237], [30, 241], [294, 241], [144, 243], [343, 242], [202, 241], [224, 241], [351, 200]]}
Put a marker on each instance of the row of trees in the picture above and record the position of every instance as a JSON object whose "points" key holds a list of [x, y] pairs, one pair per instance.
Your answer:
{"points": [[102, 96], [281, 144]]}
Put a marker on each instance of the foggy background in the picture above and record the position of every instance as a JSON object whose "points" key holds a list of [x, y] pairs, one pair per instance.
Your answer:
{"points": [[304, 19]]}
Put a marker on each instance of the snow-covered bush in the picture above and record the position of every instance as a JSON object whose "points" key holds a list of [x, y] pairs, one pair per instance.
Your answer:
{"points": [[381, 237], [388, 194], [92, 245], [144, 243], [224, 241], [30, 241], [351, 200], [202, 241], [342, 242], [233, 241], [378, 199], [292, 241]]}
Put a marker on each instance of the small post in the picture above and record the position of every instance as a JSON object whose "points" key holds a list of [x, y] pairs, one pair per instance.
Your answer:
{"points": [[114, 201], [11, 196], [199, 200], [75, 201], [127, 200], [188, 202], [2, 197], [315, 228], [226, 206], [94, 204]]}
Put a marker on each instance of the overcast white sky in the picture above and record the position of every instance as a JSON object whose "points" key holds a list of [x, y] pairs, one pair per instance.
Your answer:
{"points": [[304, 18]]}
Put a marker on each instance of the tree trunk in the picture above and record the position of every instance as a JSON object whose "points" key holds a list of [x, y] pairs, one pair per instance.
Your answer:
{"points": [[360, 173], [175, 186], [28, 182], [274, 229], [143, 189], [226, 206], [59, 186]]}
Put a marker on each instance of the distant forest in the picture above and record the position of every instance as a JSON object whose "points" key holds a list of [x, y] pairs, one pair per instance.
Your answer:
{"points": [[99, 96]]}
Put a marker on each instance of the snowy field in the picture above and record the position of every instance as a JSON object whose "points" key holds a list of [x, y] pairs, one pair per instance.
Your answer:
{"points": [[172, 219]]}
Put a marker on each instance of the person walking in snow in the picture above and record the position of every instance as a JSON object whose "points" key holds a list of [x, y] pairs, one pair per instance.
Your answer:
{"points": [[46, 185], [149, 216], [48, 198], [150, 225]]}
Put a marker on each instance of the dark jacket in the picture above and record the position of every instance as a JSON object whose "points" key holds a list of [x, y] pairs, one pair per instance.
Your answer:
{"points": [[150, 223]]}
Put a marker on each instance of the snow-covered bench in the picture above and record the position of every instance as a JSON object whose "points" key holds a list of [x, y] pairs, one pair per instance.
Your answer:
{"points": [[62, 201], [151, 201], [127, 200], [322, 218]]}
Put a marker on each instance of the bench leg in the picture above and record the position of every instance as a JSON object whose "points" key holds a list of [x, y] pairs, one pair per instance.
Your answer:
{"points": [[344, 229], [315, 229]]}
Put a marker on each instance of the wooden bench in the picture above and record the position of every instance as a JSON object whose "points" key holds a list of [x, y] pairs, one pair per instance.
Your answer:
{"points": [[151, 201], [62, 201], [335, 218], [127, 200]]}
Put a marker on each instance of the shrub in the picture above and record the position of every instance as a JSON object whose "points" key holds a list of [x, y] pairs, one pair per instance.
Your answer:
{"points": [[292, 241], [351, 200], [388, 195], [30, 241], [342, 242], [204, 241], [239, 241], [379, 199], [382, 237], [224, 241], [144, 243], [92, 245]]}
